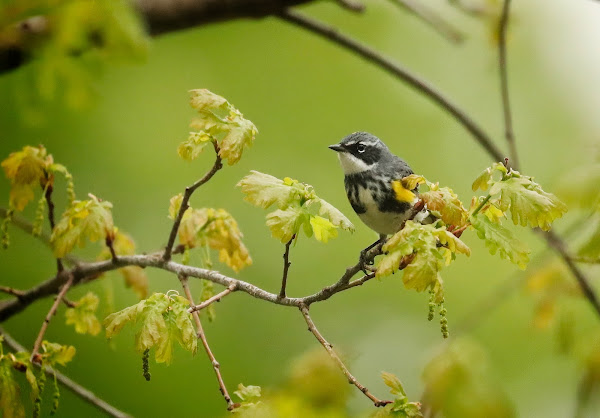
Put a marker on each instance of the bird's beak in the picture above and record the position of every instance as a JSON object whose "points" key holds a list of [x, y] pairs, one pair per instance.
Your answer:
{"points": [[337, 148]]}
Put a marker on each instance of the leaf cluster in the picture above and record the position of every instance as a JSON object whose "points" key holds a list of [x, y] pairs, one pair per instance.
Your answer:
{"points": [[298, 208], [214, 228], [219, 122], [83, 315], [86, 219], [163, 319], [401, 407]]}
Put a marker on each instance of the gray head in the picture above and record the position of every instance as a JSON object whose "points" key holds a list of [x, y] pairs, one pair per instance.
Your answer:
{"points": [[360, 151]]}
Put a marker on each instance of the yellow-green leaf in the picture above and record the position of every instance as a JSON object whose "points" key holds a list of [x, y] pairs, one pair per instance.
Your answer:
{"points": [[248, 394], [10, 399], [337, 218], [284, 224], [322, 228], [91, 219], [500, 240], [264, 190], [412, 181], [528, 203], [57, 354], [483, 181], [175, 205], [191, 148], [393, 383], [83, 315]]}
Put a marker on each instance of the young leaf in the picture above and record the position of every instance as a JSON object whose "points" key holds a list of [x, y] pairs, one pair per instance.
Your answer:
{"points": [[83, 315], [412, 181], [337, 218], [248, 394], [217, 229], [322, 228], [218, 121], [57, 354], [164, 319], [264, 190], [285, 223], [393, 383], [207, 293], [191, 148], [483, 181], [447, 203], [501, 240], [528, 203], [10, 399], [91, 219], [26, 169], [175, 205]]}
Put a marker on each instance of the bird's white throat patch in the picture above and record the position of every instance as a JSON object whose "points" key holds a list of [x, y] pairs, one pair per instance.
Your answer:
{"points": [[351, 164]]}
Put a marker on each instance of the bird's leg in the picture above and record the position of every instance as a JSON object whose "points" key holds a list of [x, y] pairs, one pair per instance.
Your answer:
{"points": [[363, 254]]}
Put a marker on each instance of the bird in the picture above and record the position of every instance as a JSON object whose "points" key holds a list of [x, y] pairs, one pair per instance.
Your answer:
{"points": [[372, 178]]}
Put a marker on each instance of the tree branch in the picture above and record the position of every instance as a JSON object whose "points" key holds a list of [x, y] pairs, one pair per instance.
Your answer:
{"points": [[439, 24], [508, 126], [216, 366], [51, 312], [74, 387], [186, 197], [351, 379], [396, 70], [216, 298], [286, 266], [48, 196]]}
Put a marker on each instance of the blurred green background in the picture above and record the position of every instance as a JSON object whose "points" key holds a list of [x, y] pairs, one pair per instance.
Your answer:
{"points": [[303, 94]]}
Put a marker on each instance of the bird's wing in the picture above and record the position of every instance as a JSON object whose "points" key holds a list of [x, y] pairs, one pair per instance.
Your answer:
{"points": [[400, 168]]}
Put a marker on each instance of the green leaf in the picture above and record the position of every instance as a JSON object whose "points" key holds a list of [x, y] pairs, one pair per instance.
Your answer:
{"points": [[264, 190], [56, 353], [528, 203], [412, 181], [91, 219], [83, 315], [285, 223], [500, 240], [175, 205], [393, 383], [207, 293], [10, 399], [218, 120], [483, 181], [322, 228], [248, 394], [164, 319]]}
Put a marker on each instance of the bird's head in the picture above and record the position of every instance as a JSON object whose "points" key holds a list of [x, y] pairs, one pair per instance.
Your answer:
{"points": [[360, 151]]}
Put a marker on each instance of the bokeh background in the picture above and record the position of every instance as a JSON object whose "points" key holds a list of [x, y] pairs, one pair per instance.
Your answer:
{"points": [[304, 93]]}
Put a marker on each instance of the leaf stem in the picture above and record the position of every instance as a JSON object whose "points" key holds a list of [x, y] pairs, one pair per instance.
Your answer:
{"points": [[186, 197], [481, 205], [351, 379]]}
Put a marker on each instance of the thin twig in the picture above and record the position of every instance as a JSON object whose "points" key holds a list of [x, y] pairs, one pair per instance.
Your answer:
{"points": [[351, 379], [286, 266], [351, 5], [216, 366], [559, 246], [51, 312], [109, 243], [48, 195], [216, 298], [12, 291], [184, 203], [74, 387], [434, 20], [508, 125], [395, 69]]}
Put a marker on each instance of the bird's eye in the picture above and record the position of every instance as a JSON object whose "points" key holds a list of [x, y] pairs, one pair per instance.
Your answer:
{"points": [[361, 148]]}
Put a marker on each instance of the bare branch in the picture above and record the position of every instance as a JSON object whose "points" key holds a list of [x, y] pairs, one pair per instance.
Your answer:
{"points": [[48, 196], [74, 387], [427, 15], [351, 379], [352, 5], [508, 126], [186, 198], [11, 291], [396, 70], [202, 337], [51, 312], [286, 266], [216, 298]]}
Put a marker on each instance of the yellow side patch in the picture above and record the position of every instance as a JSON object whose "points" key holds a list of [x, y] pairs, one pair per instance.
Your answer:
{"points": [[402, 194]]}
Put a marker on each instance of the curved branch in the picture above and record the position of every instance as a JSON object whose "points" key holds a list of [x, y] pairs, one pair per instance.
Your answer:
{"points": [[398, 71]]}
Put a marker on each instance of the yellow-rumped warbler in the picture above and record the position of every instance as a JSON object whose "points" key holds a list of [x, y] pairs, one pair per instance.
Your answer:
{"points": [[373, 183]]}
